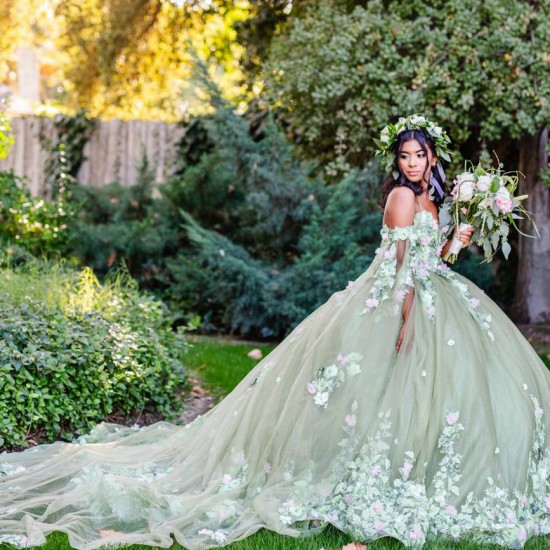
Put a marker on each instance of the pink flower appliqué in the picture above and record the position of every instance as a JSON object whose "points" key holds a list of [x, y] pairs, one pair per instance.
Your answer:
{"points": [[377, 507], [351, 420], [452, 418], [451, 510], [426, 240], [416, 532], [474, 302], [371, 302], [375, 470], [406, 470], [311, 389]]}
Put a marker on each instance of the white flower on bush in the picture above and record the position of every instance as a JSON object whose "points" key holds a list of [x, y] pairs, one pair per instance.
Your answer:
{"points": [[484, 183]]}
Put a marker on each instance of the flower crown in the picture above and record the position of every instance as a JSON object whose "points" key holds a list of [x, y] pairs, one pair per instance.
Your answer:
{"points": [[389, 134]]}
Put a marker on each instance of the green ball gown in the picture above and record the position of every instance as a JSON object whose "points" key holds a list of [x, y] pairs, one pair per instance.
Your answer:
{"points": [[446, 438]]}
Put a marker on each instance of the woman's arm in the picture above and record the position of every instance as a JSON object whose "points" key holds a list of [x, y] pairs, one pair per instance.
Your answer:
{"points": [[399, 212]]}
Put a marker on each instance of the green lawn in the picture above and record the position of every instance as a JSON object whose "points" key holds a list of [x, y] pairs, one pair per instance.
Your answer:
{"points": [[221, 365]]}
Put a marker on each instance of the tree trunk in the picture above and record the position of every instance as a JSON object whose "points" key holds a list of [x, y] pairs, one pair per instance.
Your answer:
{"points": [[532, 299]]}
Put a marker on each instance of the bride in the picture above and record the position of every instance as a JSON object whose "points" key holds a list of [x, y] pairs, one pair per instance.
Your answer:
{"points": [[408, 405]]}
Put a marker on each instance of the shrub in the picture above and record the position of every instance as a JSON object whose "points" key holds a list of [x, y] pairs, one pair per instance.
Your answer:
{"points": [[38, 225], [73, 351]]}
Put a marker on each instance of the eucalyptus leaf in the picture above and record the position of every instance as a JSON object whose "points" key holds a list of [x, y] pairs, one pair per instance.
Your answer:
{"points": [[495, 237], [506, 249]]}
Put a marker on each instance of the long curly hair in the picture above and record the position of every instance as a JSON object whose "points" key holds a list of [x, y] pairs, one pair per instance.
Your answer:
{"points": [[390, 182]]}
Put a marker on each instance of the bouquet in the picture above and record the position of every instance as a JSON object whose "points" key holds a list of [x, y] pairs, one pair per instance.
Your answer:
{"points": [[485, 200]]}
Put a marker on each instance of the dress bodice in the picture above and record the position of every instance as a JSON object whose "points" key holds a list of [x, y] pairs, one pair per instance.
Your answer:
{"points": [[409, 258]]}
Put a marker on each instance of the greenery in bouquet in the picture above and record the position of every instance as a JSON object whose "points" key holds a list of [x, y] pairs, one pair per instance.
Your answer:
{"points": [[484, 199]]}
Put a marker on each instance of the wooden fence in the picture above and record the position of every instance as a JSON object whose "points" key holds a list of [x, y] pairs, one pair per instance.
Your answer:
{"points": [[113, 153]]}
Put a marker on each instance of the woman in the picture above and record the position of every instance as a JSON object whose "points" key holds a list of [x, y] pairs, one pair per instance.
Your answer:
{"points": [[407, 405]]}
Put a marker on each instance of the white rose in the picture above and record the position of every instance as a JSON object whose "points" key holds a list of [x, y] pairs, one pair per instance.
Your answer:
{"points": [[466, 191], [503, 194], [384, 138], [484, 183], [464, 177], [436, 131]]}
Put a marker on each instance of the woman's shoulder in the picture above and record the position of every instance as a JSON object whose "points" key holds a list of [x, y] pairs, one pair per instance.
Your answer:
{"points": [[402, 195]]}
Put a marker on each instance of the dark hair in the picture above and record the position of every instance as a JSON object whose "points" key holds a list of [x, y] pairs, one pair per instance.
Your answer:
{"points": [[425, 141]]}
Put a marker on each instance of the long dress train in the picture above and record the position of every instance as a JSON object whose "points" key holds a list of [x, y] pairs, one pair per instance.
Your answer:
{"points": [[446, 438]]}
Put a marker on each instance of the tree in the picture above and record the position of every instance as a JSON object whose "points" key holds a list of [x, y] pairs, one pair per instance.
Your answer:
{"points": [[340, 72], [131, 58]]}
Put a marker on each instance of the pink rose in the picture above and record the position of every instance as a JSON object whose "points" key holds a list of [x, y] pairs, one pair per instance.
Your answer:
{"points": [[504, 205]]}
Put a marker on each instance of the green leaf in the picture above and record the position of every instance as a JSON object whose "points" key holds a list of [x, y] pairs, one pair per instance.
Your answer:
{"points": [[506, 249], [445, 156]]}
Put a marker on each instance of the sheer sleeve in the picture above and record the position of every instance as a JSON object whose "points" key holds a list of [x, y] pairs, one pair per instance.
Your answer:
{"points": [[405, 263]]}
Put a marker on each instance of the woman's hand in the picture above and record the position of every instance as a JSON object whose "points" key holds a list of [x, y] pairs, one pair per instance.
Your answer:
{"points": [[465, 236]]}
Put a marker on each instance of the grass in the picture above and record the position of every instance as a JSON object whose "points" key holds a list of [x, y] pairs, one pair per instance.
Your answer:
{"points": [[329, 539], [220, 365], [209, 359]]}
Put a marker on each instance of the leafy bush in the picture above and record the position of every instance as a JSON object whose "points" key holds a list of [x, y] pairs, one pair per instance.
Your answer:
{"points": [[38, 225], [124, 224], [73, 351]]}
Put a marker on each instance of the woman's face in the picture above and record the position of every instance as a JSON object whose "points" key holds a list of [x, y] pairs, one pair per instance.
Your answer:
{"points": [[412, 161]]}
